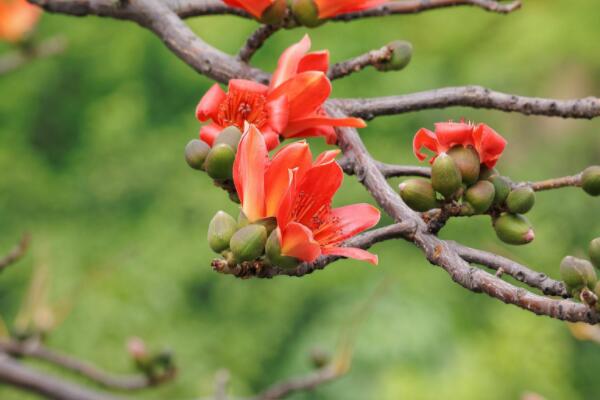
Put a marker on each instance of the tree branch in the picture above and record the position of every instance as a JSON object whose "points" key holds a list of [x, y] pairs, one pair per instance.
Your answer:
{"points": [[15, 374], [470, 96], [256, 41], [16, 253], [372, 58], [309, 382]]}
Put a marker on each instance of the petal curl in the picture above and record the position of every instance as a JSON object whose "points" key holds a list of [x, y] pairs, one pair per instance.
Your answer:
{"points": [[315, 61], [489, 144], [425, 138], [352, 252], [208, 107], [347, 222], [209, 133], [297, 241], [288, 63], [306, 92]]}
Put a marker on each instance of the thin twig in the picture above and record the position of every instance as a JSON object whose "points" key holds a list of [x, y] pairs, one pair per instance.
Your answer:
{"points": [[372, 58], [308, 382], [16, 253], [256, 41]]}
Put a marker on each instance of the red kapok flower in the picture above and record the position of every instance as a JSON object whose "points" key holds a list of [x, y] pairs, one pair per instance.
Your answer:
{"points": [[331, 8], [488, 143], [291, 106], [17, 19], [298, 192]]}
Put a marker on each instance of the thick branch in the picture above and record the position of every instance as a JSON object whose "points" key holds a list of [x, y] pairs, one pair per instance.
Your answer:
{"points": [[15, 374], [16, 253], [18, 58], [417, 6], [38, 351], [256, 41], [470, 96]]}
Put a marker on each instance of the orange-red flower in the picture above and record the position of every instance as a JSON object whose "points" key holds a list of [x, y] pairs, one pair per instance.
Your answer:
{"points": [[488, 143], [326, 8], [17, 19], [298, 192], [291, 106]]}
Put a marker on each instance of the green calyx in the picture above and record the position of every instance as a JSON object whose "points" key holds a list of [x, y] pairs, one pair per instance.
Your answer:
{"points": [[196, 152], [230, 136], [445, 175], [487, 172], [219, 162], [578, 273], [248, 243], [480, 196], [275, 13], [220, 230], [594, 252], [520, 200], [400, 55], [467, 161], [501, 188], [418, 194], [273, 251], [590, 180], [514, 229], [306, 13]]}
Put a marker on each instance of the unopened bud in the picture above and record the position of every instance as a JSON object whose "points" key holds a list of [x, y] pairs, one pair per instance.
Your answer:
{"points": [[220, 230], [594, 252], [418, 194], [274, 14], [480, 196], [242, 220], [137, 348], [467, 161], [401, 53], [230, 135], [306, 13], [445, 175], [487, 172], [319, 357], [590, 180], [195, 153], [248, 243], [521, 200], [219, 162], [273, 251], [577, 273], [514, 229], [501, 188]]}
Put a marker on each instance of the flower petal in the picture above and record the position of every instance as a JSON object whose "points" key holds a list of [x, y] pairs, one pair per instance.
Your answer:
{"points": [[489, 144], [326, 156], [297, 241], [331, 8], [315, 61], [247, 86], [299, 125], [425, 138], [254, 7], [249, 173], [279, 113], [287, 67], [453, 133], [209, 133], [347, 222], [208, 106], [352, 252], [306, 92]]}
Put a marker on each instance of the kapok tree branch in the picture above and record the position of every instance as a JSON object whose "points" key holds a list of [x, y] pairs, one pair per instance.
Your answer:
{"points": [[417, 6], [35, 349], [308, 382], [16, 253], [256, 41], [470, 96], [372, 58], [14, 373]]}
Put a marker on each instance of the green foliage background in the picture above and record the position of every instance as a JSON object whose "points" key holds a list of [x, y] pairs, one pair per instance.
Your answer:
{"points": [[91, 164]]}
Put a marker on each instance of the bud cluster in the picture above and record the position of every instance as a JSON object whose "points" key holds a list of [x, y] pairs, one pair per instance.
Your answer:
{"points": [[240, 241], [458, 178], [218, 160], [581, 276], [590, 180]]}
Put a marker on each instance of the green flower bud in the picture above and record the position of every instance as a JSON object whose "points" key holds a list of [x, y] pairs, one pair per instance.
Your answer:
{"points": [[514, 229], [487, 173], [274, 14], [480, 196], [578, 273], [219, 162], [590, 180], [273, 251], [445, 175], [230, 135], [242, 220], [521, 200], [400, 57], [467, 161], [248, 243], [269, 223], [501, 187], [594, 252], [195, 153], [466, 209], [418, 194], [220, 230], [306, 13]]}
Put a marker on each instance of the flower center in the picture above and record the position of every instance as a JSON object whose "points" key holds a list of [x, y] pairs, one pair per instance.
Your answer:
{"points": [[315, 214], [243, 106]]}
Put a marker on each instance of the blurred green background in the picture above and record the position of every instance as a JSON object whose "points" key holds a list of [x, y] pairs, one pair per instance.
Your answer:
{"points": [[91, 164]]}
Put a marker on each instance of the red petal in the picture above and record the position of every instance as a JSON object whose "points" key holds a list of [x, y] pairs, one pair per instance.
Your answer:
{"points": [[277, 178], [279, 113], [331, 8], [208, 133], [249, 173], [208, 106], [287, 66], [489, 144], [297, 241], [425, 138], [326, 156], [347, 222], [352, 252], [302, 124], [271, 139], [316, 61], [453, 133], [254, 7], [247, 86], [306, 92]]}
